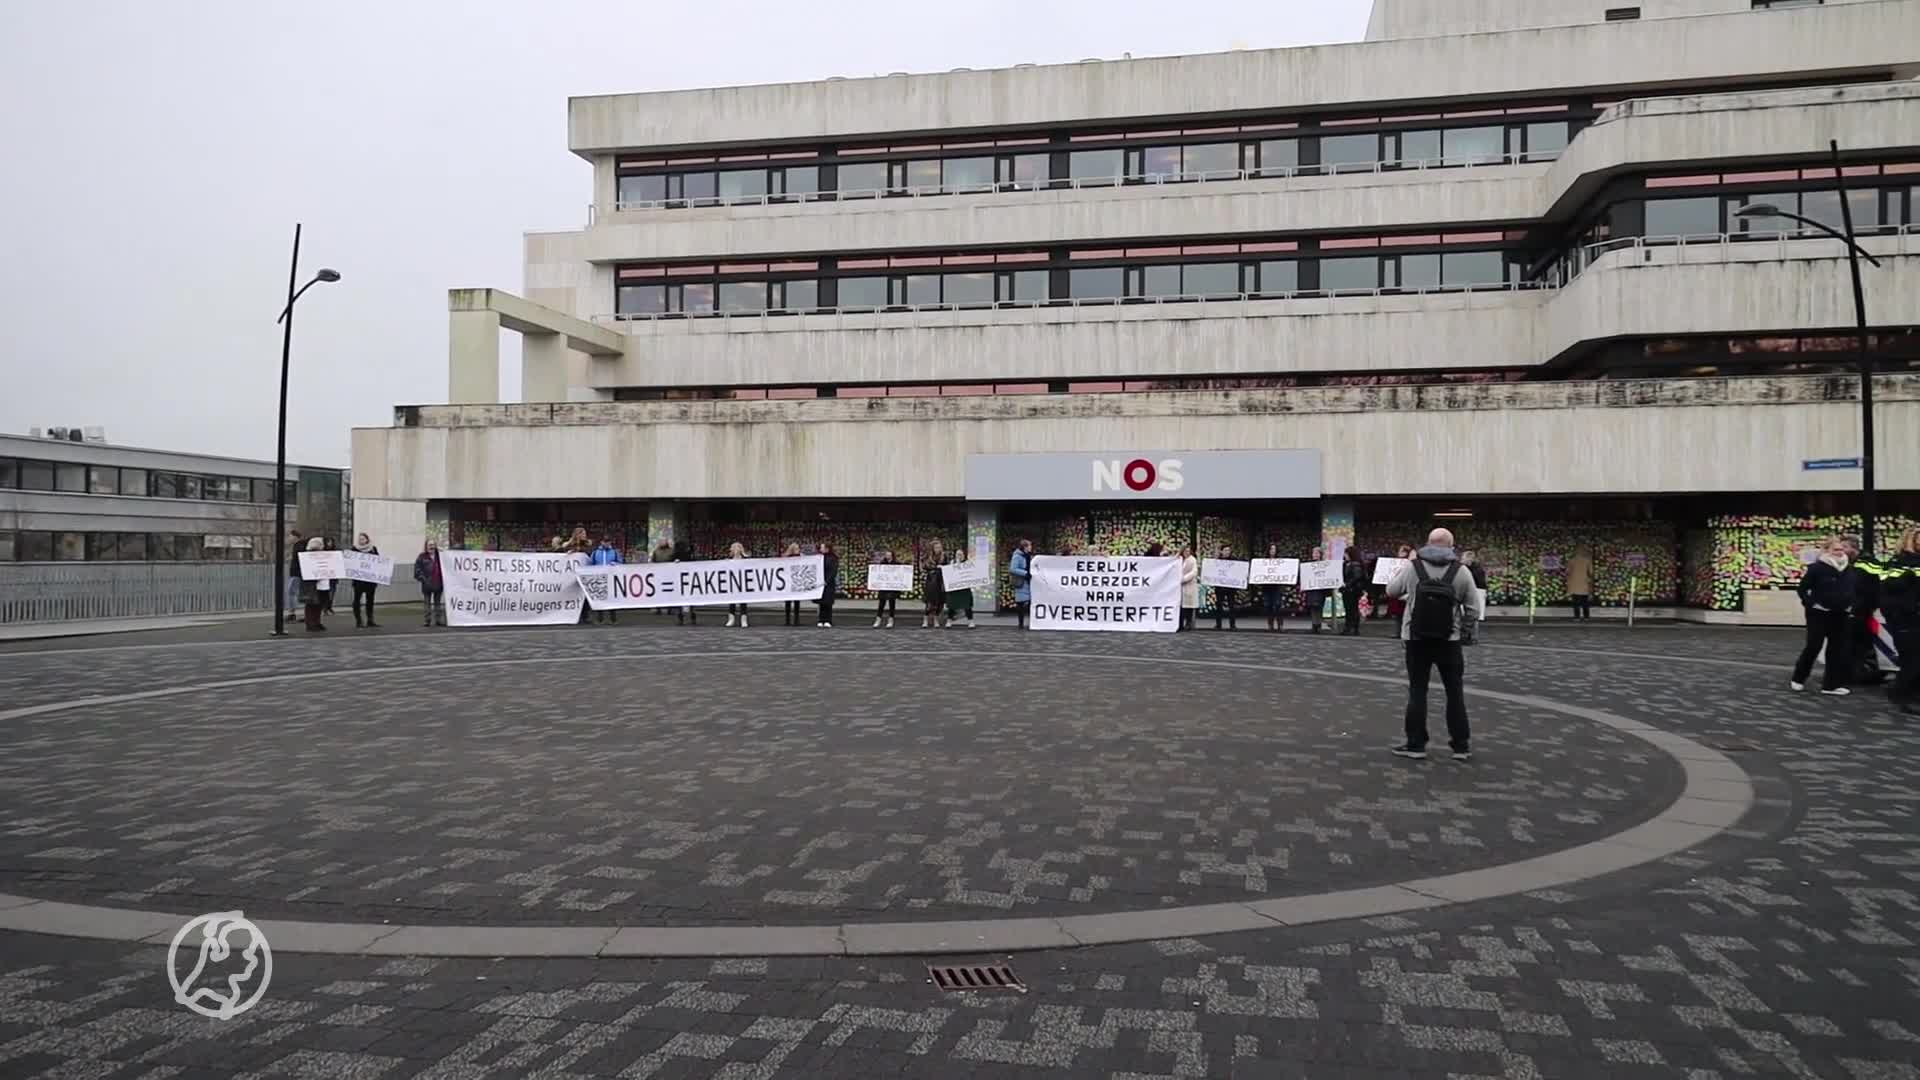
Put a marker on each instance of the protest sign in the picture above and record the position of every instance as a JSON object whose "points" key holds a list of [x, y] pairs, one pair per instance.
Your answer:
{"points": [[889, 577], [1137, 595], [1386, 569], [1273, 572], [724, 581], [973, 574], [497, 589], [1224, 573], [360, 566], [323, 565], [1551, 562], [1319, 576]]}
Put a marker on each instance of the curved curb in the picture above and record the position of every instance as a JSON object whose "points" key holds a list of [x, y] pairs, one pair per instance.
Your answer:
{"points": [[1717, 794]]}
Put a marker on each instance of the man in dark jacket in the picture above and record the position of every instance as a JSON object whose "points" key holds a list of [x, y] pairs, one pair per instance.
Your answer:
{"points": [[1900, 607], [1827, 592], [1437, 590]]}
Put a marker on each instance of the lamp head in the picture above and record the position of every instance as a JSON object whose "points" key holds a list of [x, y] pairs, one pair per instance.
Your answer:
{"points": [[1758, 210], [327, 274]]}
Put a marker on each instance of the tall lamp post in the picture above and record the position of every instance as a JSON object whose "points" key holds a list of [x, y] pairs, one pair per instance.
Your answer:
{"points": [[280, 458], [1865, 357]]}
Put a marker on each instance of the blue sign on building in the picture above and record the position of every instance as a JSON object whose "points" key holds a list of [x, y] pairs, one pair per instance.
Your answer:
{"points": [[1823, 464]]}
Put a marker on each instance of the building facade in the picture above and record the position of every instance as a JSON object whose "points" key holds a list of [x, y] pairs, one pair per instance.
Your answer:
{"points": [[1485, 267]]}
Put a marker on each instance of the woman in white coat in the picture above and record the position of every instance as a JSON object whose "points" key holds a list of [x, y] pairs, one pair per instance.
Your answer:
{"points": [[1189, 586]]}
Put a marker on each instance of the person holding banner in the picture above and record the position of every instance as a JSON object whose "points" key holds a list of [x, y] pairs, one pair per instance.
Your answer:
{"points": [[433, 585], [607, 555], [1020, 569], [1270, 596], [326, 584], [1317, 598], [958, 599], [1224, 598], [829, 584], [790, 609], [683, 552], [933, 586], [313, 593], [363, 590], [1353, 584], [1189, 587], [889, 605]]}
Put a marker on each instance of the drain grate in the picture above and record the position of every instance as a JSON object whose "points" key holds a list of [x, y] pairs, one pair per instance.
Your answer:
{"points": [[975, 977]]}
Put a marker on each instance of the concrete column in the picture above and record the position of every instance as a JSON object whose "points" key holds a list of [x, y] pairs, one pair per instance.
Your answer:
{"points": [[473, 357], [983, 542], [544, 367], [1336, 526]]}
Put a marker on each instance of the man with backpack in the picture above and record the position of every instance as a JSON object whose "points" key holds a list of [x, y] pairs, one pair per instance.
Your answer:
{"points": [[1437, 590]]}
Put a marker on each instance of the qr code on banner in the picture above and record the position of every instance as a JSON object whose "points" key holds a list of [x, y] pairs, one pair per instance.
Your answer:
{"points": [[596, 587], [804, 578]]}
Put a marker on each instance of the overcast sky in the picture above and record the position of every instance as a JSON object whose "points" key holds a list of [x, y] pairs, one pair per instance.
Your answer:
{"points": [[157, 155]]}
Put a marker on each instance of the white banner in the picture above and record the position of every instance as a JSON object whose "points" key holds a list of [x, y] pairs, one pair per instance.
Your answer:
{"points": [[1274, 572], [1224, 573], [1385, 569], [722, 581], [360, 566], [323, 565], [973, 574], [501, 589], [1138, 595], [889, 577], [1319, 576]]}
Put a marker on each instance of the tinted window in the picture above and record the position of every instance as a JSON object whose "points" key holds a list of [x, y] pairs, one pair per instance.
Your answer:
{"points": [[1162, 161], [1279, 276], [1025, 285], [1473, 144], [641, 299], [969, 288], [1350, 273], [1211, 158], [1420, 271], [103, 481], [263, 491], [803, 295], [1097, 284], [800, 179], [923, 175], [1785, 200], [1095, 166], [133, 547], [1546, 140], [36, 476], [9, 547], [922, 289], [865, 179], [1473, 268], [862, 292], [967, 174], [70, 478], [1279, 155], [69, 547], [1824, 207], [103, 547], [743, 185], [9, 473], [1349, 149], [1155, 281], [698, 186], [1028, 170], [133, 481], [36, 547], [696, 298], [1699, 216], [1210, 279], [743, 296], [1418, 146], [639, 189]]}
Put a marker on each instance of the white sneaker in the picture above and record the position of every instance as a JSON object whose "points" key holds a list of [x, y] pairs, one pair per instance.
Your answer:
{"points": [[1796, 685], [729, 618], [926, 622], [889, 622], [828, 625], [743, 620], [876, 622], [1838, 691], [969, 622], [819, 624]]}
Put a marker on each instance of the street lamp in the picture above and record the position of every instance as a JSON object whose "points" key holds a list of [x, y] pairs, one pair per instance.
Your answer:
{"points": [[280, 460], [1854, 254]]}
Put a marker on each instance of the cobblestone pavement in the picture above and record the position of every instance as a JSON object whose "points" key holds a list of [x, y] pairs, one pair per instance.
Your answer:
{"points": [[1789, 946]]}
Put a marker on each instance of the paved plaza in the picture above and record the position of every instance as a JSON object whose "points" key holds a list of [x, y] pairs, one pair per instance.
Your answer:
{"points": [[654, 851]]}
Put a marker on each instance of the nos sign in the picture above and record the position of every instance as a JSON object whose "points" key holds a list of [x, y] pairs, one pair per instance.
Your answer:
{"points": [[1137, 475]]}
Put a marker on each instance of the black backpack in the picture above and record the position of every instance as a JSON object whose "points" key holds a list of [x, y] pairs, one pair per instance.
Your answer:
{"points": [[1433, 604]]}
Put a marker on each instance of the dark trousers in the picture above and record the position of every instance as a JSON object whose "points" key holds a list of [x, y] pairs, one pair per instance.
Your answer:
{"points": [[1582, 605], [1827, 628], [363, 590], [959, 601], [889, 605], [1317, 608], [1352, 625], [1270, 601], [1223, 603], [326, 599], [1186, 618], [793, 613], [1906, 685], [1023, 607], [826, 608], [609, 616], [314, 608], [1422, 658], [434, 604], [737, 609]]}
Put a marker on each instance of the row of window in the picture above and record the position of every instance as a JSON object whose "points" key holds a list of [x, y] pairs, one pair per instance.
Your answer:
{"points": [[32, 546], [27, 474], [1694, 215], [1231, 160], [981, 288]]}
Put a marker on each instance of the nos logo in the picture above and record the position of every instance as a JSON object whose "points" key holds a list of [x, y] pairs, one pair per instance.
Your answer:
{"points": [[1137, 475]]}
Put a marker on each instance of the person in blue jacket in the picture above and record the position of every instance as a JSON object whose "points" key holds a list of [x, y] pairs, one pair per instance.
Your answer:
{"points": [[606, 555], [1020, 569]]}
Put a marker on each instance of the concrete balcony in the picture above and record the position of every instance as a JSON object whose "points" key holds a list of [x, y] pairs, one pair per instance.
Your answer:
{"points": [[1635, 289]]}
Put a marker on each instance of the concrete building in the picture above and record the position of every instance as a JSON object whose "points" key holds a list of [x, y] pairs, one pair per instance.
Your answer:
{"points": [[1483, 267]]}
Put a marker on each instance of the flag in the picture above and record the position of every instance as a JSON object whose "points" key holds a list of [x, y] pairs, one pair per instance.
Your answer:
{"points": [[1883, 641]]}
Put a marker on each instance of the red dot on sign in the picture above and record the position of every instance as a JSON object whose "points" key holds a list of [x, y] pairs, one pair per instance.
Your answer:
{"points": [[1139, 474]]}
